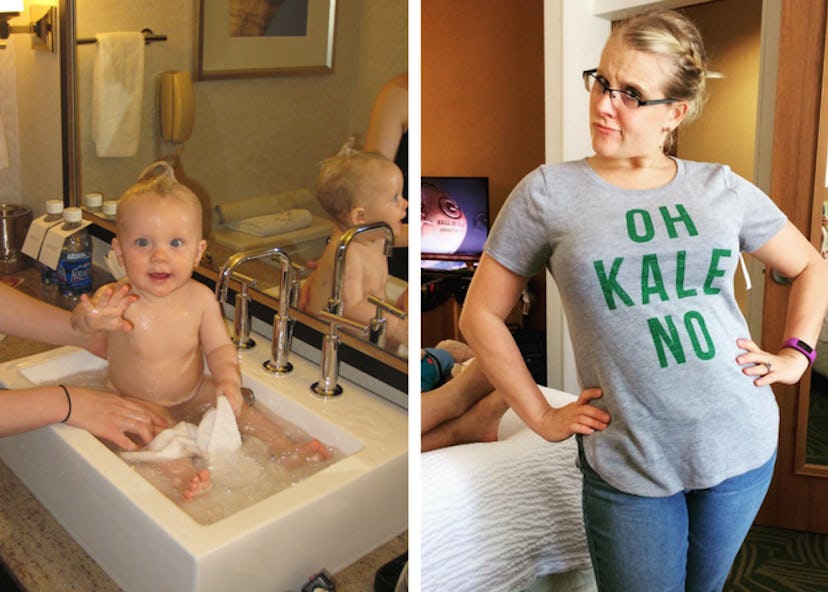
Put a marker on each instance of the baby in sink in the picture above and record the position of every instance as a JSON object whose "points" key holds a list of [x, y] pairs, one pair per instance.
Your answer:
{"points": [[172, 323], [357, 188]]}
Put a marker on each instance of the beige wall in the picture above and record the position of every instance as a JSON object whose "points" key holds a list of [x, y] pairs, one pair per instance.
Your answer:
{"points": [[726, 131]]}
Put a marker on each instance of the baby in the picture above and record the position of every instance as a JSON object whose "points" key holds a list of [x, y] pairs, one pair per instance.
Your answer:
{"points": [[173, 322], [358, 188]]}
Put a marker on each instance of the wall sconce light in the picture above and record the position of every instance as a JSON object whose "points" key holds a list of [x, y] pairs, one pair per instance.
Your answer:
{"points": [[41, 28]]}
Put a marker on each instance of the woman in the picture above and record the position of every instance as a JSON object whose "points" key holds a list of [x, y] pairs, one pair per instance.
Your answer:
{"points": [[103, 414], [677, 444]]}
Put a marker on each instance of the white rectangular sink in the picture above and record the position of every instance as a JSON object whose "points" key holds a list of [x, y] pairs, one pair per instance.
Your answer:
{"points": [[144, 541]]}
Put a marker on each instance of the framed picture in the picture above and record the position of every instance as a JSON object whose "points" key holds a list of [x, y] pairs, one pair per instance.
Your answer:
{"points": [[257, 38]]}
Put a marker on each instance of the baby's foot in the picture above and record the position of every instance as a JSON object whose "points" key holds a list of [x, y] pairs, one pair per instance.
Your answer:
{"points": [[199, 483], [314, 451]]}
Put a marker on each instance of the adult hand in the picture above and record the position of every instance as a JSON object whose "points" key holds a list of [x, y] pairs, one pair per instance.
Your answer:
{"points": [[786, 367], [578, 417], [104, 311], [112, 417]]}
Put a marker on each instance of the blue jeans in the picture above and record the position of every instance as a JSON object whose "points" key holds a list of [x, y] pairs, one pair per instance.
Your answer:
{"points": [[682, 543]]}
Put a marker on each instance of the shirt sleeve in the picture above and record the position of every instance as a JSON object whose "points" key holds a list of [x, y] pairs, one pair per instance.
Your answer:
{"points": [[762, 218], [519, 239]]}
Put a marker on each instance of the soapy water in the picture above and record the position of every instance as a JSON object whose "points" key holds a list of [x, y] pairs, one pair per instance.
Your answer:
{"points": [[239, 479]]}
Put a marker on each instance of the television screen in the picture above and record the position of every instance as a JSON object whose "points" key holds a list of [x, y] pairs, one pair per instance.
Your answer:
{"points": [[454, 221]]}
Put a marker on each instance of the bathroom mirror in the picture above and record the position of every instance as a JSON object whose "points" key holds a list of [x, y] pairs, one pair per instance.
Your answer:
{"points": [[252, 137]]}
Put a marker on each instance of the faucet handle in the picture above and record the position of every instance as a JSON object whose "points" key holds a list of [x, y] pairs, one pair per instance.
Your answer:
{"points": [[243, 279], [340, 321], [387, 306]]}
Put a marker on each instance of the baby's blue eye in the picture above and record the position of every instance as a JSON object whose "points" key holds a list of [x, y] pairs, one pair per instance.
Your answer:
{"points": [[176, 242], [141, 242]]}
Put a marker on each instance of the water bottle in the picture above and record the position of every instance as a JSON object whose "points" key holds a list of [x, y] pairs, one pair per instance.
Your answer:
{"points": [[74, 270], [54, 214]]}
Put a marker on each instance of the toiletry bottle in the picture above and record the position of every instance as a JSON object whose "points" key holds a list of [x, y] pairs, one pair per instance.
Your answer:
{"points": [[54, 214], [93, 202], [74, 270]]}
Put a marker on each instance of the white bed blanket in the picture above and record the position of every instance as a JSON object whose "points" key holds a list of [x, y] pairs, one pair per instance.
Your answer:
{"points": [[496, 516]]}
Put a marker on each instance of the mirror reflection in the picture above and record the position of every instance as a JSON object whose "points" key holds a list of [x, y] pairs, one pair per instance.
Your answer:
{"points": [[250, 148]]}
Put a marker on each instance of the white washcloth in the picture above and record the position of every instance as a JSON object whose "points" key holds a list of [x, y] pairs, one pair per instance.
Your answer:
{"points": [[117, 93], [216, 435], [497, 515], [270, 224]]}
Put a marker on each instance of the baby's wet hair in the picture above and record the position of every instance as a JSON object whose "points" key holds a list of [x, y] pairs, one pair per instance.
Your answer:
{"points": [[158, 180], [340, 181]]}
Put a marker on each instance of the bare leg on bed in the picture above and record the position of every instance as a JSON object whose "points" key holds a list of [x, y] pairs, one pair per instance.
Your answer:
{"points": [[465, 409], [478, 424], [455, 397]]}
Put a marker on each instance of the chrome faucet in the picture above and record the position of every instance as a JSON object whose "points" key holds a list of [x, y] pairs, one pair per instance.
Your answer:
{"points": [[282, 321], [379, 324], [329, 365], [335, 301], [327, 386]]}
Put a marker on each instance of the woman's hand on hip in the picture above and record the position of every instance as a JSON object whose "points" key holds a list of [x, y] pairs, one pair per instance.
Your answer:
{"points": [[579, 417]]}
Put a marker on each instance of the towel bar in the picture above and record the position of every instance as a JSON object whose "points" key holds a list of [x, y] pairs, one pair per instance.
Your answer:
{"points": [[149, 36]]}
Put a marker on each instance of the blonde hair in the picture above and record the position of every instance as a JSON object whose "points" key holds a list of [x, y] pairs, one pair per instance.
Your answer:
{"points": [[672, 35], [341, 180], [158, 180]]}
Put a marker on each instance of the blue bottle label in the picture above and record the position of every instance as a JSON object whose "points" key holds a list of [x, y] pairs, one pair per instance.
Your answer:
{"points": [[74, 272]]}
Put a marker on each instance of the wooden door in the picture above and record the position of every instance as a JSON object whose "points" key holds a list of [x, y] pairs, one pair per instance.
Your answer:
{"points": [[798, 498]]}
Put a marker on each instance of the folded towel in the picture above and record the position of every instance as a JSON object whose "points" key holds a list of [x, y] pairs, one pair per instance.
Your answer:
{"points": [[271, 224], [249, 207], [117, 93], [216, 435]]}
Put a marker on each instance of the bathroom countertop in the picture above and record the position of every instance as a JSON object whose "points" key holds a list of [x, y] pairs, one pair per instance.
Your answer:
{"points": [[43, 557]]}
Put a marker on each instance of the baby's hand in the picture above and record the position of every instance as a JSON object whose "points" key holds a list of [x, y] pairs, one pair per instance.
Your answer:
{"points": [[105, 310], [232, 391]]}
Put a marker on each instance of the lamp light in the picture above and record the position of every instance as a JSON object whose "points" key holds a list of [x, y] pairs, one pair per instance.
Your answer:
{"points": [[11, 6], [41, 28]]}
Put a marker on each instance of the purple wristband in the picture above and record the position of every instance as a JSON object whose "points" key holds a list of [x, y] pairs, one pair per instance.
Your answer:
{"points": [[802, 347]]}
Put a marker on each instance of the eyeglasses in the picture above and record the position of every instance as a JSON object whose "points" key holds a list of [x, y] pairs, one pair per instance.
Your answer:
{"points": [[629, 98]]}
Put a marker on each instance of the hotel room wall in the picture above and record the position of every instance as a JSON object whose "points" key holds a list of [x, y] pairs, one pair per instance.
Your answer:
{"points": [[482, 97]]}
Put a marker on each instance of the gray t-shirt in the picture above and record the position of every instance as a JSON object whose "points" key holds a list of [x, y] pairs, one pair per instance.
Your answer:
{"points": [[646, 280]]}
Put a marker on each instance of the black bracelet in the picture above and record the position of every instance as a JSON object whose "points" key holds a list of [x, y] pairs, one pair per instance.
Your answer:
{"points": [[69, 401]]}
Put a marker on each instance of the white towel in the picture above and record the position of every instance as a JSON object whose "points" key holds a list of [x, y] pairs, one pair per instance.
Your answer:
{"points": [[117, 93], [270, 224], [216, 435], [248, 207]]}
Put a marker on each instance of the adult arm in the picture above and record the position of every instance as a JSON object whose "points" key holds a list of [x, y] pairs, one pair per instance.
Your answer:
{"points": [[790, 253], [389, 118], [493, 292], [102, 414]]}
